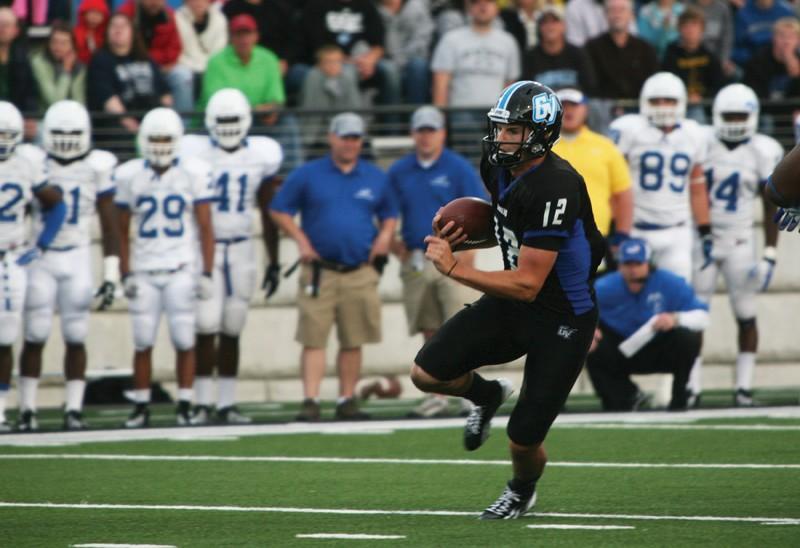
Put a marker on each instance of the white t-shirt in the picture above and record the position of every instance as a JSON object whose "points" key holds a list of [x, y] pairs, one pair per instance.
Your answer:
{"points": [[162, 209]]}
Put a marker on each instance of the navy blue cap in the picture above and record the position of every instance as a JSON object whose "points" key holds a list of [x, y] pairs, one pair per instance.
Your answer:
{"points": [[634, 250]]}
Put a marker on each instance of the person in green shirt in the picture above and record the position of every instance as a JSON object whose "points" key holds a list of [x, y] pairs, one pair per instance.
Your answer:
{"points": [[56, 68]]}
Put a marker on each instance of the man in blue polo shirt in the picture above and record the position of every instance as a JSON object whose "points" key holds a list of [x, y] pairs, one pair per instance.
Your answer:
{"points": [[348, 221], [422, 182], [651, 321]]}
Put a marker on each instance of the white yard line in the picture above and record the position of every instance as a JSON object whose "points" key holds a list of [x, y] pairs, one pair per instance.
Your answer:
{"points": [[364, 460], [616, 421], [347, 536], [107, 545], [375, 512], [580, 527]]}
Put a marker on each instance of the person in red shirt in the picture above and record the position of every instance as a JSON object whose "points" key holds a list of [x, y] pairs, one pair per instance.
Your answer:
{"points": [[90, 30], [155, 21]]}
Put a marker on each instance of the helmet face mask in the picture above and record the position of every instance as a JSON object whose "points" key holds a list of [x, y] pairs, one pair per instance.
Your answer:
{"points": [[159, 134], [228, 118], [536, 109], [735, 113], [663, 100], [11, 129]]}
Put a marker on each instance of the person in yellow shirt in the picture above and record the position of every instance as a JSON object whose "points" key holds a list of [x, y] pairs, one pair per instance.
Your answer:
{"points": [[602, 166]]}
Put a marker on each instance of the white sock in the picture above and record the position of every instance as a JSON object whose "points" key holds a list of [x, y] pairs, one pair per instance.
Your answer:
{"points": [[203, 388], [27, 393], [696, 376], [227, 392], [185, 394], [745, 366], [3, 396], [142, 395], [75, 390]]}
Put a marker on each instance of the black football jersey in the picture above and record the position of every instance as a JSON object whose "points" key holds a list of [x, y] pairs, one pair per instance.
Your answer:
{"points": [[548, 207]]}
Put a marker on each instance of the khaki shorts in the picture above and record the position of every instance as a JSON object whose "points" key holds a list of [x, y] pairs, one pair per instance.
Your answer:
{"points": [[348, 299], [431, 298]]}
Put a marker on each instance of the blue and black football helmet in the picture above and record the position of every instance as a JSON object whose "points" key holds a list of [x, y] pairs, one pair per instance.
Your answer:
{"points": [[533, 105]]}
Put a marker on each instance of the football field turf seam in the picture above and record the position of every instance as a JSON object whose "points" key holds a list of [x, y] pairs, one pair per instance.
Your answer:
{"points": [[375, 512], [366, 460]]}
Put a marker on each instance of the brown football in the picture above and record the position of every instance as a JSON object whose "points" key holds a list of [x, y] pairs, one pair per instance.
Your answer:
{"points": [[476, 217]]}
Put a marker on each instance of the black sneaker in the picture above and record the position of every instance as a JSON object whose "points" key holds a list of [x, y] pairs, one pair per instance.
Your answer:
{"points": [[139, 417], [27, 421], [201, 415], [744, 398], [183, 413], [510, 505], [309, 411], [231, 415], [479, 420], [73, 420], [348, 411]]}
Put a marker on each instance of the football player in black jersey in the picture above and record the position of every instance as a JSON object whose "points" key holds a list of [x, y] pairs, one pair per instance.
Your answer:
{"points": [[541, 306]]}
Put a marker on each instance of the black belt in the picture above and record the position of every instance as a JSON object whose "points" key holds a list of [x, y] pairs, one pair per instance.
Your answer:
{"points": [[336, 267], [652, 226]]}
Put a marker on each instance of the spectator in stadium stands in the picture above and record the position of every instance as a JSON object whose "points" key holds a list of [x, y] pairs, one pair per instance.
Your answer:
{"points": [[658, 23], [519, 20], [17, 84], [90, 28], [204, 31], [58, 72], [694, 63], [753, 27], [348, 222], [409, 32], [601, 165], [472, 64], [448, 15], [774, 73], [622, 62], [357, 28], [586, 19], [123, 78], [554, 62], [650, 322], [422, 182], [718, 31], [256, 72], [155, 21], [277, 30], [331, 85]]}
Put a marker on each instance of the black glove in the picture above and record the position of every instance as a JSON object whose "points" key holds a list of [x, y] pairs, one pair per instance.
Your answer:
{"points": [[272, 278], [379, 263], [106, 295], [707, 243]]}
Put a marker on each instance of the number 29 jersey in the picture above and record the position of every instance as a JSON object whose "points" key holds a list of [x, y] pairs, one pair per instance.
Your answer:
{"points": [[237, 177], [162, 211], [548, 208], [660, 165]]}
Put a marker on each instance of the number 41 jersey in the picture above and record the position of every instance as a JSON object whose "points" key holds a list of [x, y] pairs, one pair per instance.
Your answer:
{"points": [[548, 208], [660, 165], [162, 211], [237, 178]]}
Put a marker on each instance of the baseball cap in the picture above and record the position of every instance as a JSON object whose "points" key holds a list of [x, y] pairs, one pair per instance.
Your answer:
{"points": [[427, 117], [347, 124], [571, 95], [634, 250], [554, 11], [243, 21]]}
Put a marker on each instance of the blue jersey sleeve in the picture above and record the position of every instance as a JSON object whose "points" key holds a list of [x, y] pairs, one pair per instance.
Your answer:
{"points": [[289, 198]]}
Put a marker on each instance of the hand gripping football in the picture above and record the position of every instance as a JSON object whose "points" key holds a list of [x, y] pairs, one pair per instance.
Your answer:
{"points": [[476, 217]]}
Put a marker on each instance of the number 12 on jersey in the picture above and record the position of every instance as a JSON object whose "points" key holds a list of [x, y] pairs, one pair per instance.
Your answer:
{"points": [[561, 207]]}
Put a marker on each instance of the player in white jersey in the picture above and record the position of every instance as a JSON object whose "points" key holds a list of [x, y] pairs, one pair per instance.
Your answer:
{"points": [[164, 198], [739, 162], [665, 154], [243, 168], [62, 279], [22, 178]]}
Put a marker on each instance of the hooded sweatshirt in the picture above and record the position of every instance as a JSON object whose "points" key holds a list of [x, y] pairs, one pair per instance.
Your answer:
{"points": [[90, 40]]}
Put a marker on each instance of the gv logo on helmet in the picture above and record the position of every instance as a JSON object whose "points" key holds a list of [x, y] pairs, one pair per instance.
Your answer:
{"points": [[545, 108]]}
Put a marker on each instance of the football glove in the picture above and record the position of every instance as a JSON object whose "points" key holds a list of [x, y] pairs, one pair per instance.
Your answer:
{"points": [[379, 263], [272, 278], [205, 287], [130, 286], [707, 245], [28, 256], [787, 218], [107, 290], [763, 271]]}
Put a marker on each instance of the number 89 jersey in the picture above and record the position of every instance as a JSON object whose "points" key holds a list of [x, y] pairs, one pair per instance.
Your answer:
{"points": [[237, 178], [162, 211], [548, 208], [660, 165], [734, 178]]}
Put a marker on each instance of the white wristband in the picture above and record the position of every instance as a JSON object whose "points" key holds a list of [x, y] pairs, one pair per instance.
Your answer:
{"points": [[111, 269], [770, 253]]}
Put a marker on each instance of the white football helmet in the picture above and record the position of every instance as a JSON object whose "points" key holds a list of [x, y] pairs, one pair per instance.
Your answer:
{"points": [[159, 135], [228, 117], [663, 85], [735, 99], [67, 130], [11, 129]]}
